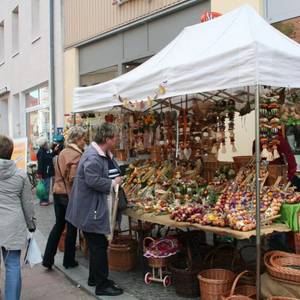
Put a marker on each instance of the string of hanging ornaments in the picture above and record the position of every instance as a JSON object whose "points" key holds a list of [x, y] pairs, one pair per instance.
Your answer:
{"points": [[269, 126]]}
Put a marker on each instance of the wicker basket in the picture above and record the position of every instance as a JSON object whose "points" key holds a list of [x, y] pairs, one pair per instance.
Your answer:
{"points": [[297, 241], [239, 297], [240, 161], [282, 298], [247, 291], [277, 271], [215, 283], [122, 254], [186, 281], [275, 171], [154, 262], [225, 256]]}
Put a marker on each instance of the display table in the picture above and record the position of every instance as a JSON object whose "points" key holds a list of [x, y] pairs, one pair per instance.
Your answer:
{"points": [[290, 216], [226, 231]]}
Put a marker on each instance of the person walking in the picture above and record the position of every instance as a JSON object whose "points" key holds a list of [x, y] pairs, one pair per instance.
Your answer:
{"points": [[65, 170], [16, 216], [45, 167], [89, 209]]}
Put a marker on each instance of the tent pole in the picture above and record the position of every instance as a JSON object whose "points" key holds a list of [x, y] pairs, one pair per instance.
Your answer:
{"points": [[257, 159]]}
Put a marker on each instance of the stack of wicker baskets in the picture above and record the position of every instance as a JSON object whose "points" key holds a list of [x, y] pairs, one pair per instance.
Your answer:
{"points": [[283, 266], [281, 298], [214, 283]]}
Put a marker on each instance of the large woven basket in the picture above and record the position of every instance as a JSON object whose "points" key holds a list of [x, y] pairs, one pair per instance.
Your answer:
{"points": [[274, 261], [122, 254], [215, 283], [241, 161], [239, 297], [282, 298], [238, 290], [186, 282]]}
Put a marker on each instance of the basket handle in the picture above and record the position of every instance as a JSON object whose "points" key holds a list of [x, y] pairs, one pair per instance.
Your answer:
{"points": [[212, 254], [237, 278], [165, 241], [147, 240]]}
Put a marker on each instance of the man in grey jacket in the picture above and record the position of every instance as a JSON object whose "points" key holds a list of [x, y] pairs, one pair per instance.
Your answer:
{"points": [[88, 207], [16, 216]]}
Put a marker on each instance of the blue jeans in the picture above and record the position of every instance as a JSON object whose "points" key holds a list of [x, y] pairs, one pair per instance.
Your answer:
{"points": [[47, 186], [13, 281]]}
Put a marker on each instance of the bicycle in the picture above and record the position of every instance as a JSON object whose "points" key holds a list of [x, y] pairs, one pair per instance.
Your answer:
{"points": [[32, 175]]}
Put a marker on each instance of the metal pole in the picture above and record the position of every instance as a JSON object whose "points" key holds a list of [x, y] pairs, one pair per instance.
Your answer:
{"points": [[52, 66], [257, 180]]}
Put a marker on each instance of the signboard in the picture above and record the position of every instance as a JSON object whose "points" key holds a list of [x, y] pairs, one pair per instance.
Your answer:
{"points": [[20, 153]]}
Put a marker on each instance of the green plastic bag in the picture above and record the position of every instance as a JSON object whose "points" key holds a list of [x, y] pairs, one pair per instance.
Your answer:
{"points": [[41, 192]]}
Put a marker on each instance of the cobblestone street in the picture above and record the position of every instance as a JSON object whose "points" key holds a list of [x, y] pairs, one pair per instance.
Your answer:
{"points": [[132, 282]]}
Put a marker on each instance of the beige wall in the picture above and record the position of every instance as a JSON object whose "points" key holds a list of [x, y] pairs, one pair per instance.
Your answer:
{"points": [[71, 76], [85, 19], [224, 6]]}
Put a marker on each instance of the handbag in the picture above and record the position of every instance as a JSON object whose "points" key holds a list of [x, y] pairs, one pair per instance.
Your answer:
{"points": [[122, 204], [62, 199]]}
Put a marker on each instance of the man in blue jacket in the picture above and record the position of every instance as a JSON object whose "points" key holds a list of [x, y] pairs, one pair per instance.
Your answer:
{"points": [[89, 208]]}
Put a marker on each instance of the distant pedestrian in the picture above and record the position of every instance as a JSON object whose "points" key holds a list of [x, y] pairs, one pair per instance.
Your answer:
{"points": [[89, 209], [45, 167], [65, 170], [16, 216]]}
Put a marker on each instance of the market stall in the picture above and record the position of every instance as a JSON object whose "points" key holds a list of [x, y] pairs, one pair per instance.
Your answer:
{"points": [[205, 62]]}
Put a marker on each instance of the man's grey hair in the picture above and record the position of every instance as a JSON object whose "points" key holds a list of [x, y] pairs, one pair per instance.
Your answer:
{"points": [[42, 141], [105, 131], [75, 133]]}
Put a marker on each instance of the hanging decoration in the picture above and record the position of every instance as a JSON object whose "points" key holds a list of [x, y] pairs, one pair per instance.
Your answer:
{"points": [[270, 126]]}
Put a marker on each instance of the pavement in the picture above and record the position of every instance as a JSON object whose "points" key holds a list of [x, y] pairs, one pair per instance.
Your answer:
{"points": [[132, 282], [60, 283]]}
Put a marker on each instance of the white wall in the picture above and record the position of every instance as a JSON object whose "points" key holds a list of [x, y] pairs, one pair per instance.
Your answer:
{"points": [[30, 67]]}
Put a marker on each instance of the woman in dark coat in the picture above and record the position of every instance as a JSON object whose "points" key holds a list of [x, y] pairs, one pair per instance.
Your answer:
{"points": [[45, 167]]}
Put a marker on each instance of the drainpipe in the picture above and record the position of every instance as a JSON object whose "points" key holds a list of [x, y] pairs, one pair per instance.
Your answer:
{"points": [[52, 67]]}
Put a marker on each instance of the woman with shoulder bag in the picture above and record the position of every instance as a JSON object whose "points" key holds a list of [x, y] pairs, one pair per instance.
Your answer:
{"points": [[65, 171], [16, 216]]}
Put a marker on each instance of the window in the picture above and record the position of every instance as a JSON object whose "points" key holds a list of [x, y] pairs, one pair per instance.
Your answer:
{"points": [[2, 42], [35, 19], [37, 97], [37, 114], [15, 31]]}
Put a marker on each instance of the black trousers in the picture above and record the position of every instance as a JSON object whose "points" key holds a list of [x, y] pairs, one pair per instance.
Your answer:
{"points": [[98, 265], [55, 234]]}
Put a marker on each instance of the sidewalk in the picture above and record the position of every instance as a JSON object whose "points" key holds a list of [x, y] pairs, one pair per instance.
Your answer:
{"points": [[40, 284]]}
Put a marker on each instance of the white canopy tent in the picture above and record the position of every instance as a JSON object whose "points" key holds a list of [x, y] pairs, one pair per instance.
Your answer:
{"points": [[235, 50]]}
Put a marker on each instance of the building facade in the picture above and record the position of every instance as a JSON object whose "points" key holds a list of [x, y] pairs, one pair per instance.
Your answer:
{"points": [[26, 102], [105, 39]]}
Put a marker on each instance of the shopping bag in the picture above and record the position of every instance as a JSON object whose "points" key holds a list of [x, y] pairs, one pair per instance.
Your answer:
{"points": [[33, 253], [41, 191]]}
